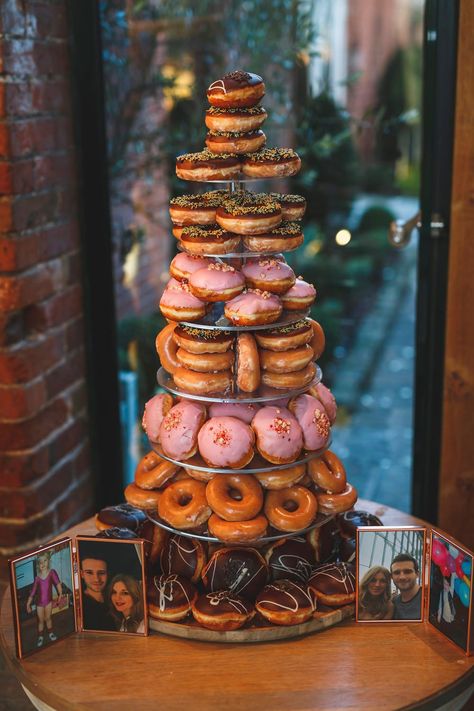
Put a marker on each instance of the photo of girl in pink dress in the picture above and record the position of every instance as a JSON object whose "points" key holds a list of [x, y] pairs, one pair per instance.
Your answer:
{"points": [[42, 594]]}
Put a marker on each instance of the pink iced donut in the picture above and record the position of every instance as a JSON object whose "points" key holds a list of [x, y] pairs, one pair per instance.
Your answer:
{"points": [[217, 282], [327, 399], [279, 436], [300, 296], [273, 275], [183, 265], [254, 307], [178, 304], [155, 411], [313, 419], [226, 442], [242, 411], [179, 429]]}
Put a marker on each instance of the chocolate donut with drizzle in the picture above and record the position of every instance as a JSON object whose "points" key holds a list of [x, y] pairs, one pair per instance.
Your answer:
{"points": [[242, 571], [285, 602], [170, 597], [120, 516], [222, 611], [291, 559], [184, 557], [236, 90], [334, 584]]}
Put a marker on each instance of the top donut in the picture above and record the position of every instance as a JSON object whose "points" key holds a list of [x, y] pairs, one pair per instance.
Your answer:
{"points": [[236, 90]]}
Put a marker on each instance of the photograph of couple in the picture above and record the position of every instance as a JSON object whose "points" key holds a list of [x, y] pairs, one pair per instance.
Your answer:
{"points": [[112, 588], [390, 586]]}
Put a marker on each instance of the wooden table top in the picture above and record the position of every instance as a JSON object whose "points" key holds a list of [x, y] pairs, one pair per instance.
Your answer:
{"points": [[350, 666]]}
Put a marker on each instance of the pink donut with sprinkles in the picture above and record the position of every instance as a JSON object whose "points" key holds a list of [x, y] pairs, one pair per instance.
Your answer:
{"points": [[242, 411], [155, 411], [300, 296], [226, 442], [313, 419], [179, 429], [178, 303], [322, 393], [272, 275], [279, 435], [183, 265], [217, 282]]}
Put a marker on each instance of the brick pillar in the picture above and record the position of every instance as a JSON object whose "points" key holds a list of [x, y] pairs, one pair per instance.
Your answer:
{"points": [[45, 480]]}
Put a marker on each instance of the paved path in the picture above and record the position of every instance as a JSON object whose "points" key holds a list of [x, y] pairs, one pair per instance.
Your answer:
{"points": [[374, 437]]}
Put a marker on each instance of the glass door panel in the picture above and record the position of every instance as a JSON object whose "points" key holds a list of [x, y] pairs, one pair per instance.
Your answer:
{"points": [[343, 87]]}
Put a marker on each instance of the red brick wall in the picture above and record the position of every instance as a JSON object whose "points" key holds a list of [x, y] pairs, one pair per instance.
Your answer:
{"points": [[45, 481]]}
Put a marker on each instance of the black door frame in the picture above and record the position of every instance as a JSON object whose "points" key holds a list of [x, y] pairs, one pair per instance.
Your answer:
{"points": [[439, 89]]}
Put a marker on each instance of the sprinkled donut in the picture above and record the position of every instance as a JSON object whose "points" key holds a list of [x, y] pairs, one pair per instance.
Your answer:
{"points": [[226, 442], [313, 420], [279, 438], [179, 429]]}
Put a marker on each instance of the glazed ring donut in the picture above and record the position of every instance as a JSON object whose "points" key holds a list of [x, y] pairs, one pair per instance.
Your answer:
{"points": [[270, 162], [142, 498], [285, 338], [235, 141], [236, 89], [281, 478], [153, 471], [206, 165], [235, 497], [166, 348], [293, 207], [318, 340], [196, 383], [328, 472], [184, 505], [201, 476], [290, 509], [237, 531], [248, 364], [337, 503], [202, 340], [217, 282], [178, 304], [286, 361], [242, 119], [290, 381], [205, 362], [249, 214]]}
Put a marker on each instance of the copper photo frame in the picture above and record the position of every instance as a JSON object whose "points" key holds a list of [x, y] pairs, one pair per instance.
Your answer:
{"points": [[390, 574], [450, 590], [43, 599]]}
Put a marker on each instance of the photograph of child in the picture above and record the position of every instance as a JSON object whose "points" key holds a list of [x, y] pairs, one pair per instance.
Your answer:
{"points": [[450, 597], [43, 599], [390, 586], [112, 585]]}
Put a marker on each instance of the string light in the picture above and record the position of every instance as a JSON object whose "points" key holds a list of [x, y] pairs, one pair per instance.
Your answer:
{"points": [[343, 237]]}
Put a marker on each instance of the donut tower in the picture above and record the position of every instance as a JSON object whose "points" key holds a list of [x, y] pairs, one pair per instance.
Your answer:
{"points": [[239, 477]]}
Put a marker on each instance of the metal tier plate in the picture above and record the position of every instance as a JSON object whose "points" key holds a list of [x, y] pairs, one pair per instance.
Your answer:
{"points": [[272, 535], [229, 255], [264, 393], [256, 466], [215, 319]]}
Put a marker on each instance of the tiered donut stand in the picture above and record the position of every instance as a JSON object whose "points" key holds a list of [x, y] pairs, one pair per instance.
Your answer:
{"points": [[258, 628]]}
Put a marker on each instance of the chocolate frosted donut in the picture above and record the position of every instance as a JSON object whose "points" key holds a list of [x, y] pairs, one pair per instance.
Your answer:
{"points": [[170, 597], [249, 213], [235, 141], [206, 165], [242, 571], [183, 556], [116, 533], [293, 207], [222, 611], [120, 516], [236, 89], [285, 602], [269, 162], [237, 119], [349, 521], [334, 584], [286, 236], [208, 239], [290, 559]]}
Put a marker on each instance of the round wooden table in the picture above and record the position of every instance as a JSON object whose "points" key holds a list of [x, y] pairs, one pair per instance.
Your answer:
{"points": [[349, 666]]}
